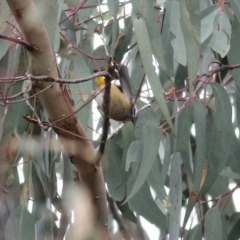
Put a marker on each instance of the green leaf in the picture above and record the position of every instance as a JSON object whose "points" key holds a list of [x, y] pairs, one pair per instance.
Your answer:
{"points": [[195, 233], [235, 4], [189, 209], [190, 25], [143, 204], [175, 196], [208, 16], [13, 119], [229, 174], [113, 6], [14, 192], [222, 31], [213, 225], [178, 43], [151, 141], [135, 153], [124, 41], [145, 12], [114, 176], [234, 153], [167, 37], [137, 73], [200, 127], [166, 160], [234, 234], [128, 138], [183, 137], [39, 195], [219, 134], [234, 52], [20, 225], [141, 29], [127, 213], [234, 224], [46, 227], [86, 12], [158, 186], [156, 182], [4, 45]]}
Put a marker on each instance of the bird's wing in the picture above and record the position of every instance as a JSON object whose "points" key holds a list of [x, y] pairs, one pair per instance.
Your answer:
{"points": [[125, 81]]}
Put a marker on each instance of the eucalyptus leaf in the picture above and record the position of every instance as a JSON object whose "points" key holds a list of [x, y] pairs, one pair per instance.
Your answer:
{"points": [[151, 141], [189, 25], [175, 196], [234, 52], [200, 127], [219, 134], [114, 176], [222, 31], [213, 225], [145, 49], [143, 204], [183, 137], [20, 224], [236, 8]]}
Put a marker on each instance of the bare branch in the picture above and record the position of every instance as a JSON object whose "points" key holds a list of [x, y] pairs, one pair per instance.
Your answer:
{"points": [[28, 46]]}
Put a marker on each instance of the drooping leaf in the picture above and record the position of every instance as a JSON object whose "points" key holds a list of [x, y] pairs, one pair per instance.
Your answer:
{"points": [[200, 127], [195, 233], [20, 224], [208, 16], [219, 134], [233, 226], [213, 225], [114, 174], [178, 43], [167, 37], [124, 40], [175, 196], [222, 31], [190, 25], [150, 143], [125, 210], [39, 195], [236, 8], [166, 160], [234, 52], [145, 11], [229, 174], [145, 49], [183, 137], [143, 204]]}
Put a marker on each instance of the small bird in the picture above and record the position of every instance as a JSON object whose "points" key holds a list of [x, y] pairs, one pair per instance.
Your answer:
{"points": [[121, 105]]}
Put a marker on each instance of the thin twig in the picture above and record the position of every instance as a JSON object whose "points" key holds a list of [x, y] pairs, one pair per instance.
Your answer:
{"points": [[28, 46], [222, 195], [27, 86], [75, 10], [52, 79]]}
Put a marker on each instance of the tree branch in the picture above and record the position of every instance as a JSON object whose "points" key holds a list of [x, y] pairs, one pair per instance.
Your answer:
{"points": [[28, 46], [53, 99]]}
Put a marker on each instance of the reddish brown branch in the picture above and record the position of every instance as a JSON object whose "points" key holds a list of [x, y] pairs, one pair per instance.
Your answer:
{"points": [[28, 46], [57, 106]]}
